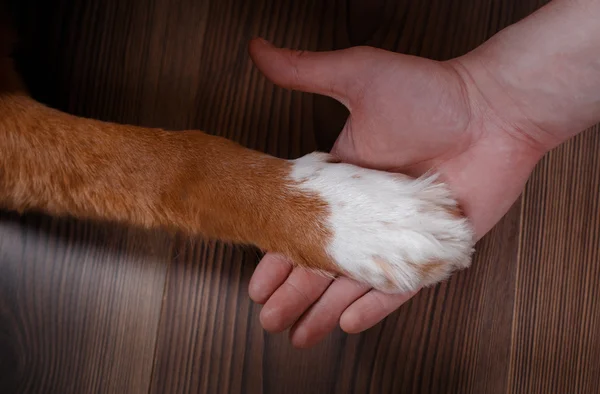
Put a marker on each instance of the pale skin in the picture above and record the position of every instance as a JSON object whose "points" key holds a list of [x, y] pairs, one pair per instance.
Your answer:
{"points": [[482, 120]]}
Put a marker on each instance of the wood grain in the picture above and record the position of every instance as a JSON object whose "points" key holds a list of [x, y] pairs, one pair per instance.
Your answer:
{"points": [[90, 308], [557, 314], [79, 306]]}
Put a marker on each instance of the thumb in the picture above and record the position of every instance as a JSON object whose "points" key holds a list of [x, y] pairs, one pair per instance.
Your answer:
{"points": [[337, 74]]}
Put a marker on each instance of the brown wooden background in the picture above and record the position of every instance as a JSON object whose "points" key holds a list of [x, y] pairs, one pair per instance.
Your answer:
{"points": [[88, 308]]}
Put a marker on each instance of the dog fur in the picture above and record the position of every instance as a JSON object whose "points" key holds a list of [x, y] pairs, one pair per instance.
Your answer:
{"points": [[388, 230]]}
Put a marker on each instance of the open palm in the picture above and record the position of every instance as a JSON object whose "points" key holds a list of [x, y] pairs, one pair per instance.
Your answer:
{"points": [[407, 114]]}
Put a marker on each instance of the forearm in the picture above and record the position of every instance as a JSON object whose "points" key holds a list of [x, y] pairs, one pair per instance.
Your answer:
{"points": [[59, 164], [542, 74], [63, 165]]}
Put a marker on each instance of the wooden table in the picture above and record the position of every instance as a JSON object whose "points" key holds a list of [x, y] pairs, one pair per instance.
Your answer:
{"points": [[91, 308]]}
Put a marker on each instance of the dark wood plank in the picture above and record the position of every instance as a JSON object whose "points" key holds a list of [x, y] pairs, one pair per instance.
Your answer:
{"points": [[204, 345], [79, 306], [557, 317], [453, 338]]}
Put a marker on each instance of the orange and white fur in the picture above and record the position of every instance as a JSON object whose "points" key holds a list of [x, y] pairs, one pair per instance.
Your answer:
{"points": [[388, 230]]}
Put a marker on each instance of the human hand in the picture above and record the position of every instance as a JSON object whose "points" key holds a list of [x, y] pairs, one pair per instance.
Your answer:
{"points": [[482, 120], [407, 114]]}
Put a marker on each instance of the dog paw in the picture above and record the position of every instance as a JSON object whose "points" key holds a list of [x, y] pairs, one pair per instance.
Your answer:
{"points": [[393, 232]]}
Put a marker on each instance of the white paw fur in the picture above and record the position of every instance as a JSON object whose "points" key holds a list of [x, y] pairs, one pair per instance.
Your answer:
{"points": [[390, 231]]}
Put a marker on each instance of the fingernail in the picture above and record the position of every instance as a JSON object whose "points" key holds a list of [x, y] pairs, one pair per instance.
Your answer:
{"points": [[264, 41]]}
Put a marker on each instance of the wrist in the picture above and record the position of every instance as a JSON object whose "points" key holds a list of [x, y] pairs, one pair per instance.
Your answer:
{"points": [[495, 111], [540, 78]]}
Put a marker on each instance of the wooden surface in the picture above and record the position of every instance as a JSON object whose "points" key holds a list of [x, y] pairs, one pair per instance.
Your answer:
{"points": [[88, 308]]}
